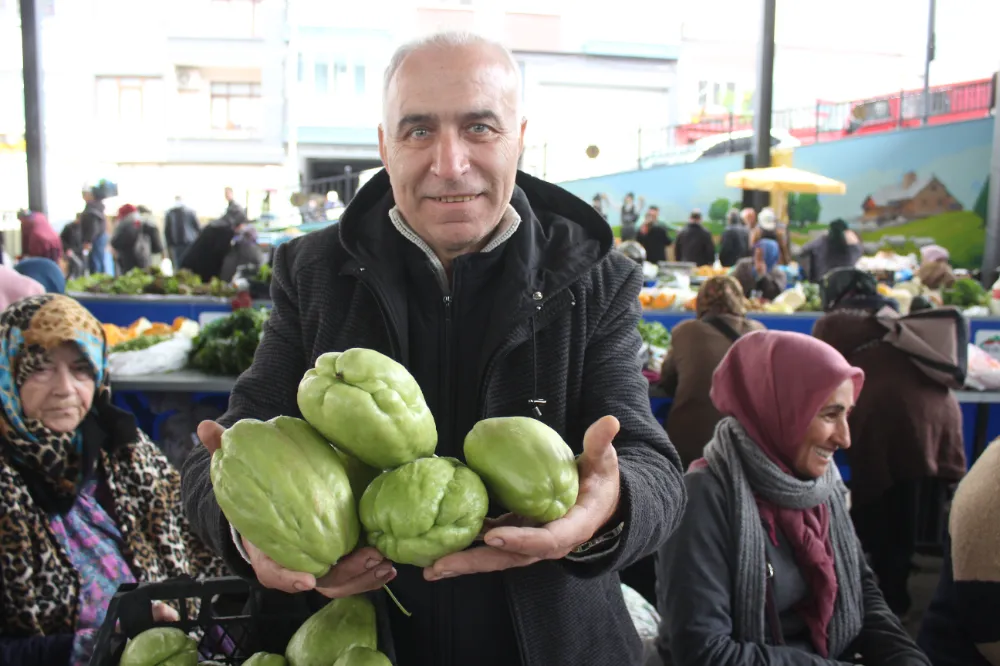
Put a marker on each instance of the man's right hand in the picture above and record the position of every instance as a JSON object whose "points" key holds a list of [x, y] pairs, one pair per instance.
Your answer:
{"points": [[361, 571]]}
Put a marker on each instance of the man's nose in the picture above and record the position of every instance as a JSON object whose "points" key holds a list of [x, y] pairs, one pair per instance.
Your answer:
{"points": [[451, 158]]}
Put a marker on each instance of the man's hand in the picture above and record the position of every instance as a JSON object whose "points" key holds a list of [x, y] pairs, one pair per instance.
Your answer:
{"points": [[361, 571], [508, 546]]}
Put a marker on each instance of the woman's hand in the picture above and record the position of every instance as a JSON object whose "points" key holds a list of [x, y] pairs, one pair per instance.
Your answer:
{"points": [[164, 613]]}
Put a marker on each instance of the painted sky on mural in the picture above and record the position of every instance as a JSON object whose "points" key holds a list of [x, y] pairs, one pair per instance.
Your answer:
{"points": [[958, 154]]}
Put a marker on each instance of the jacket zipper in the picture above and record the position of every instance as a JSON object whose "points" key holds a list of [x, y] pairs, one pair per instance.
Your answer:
{"points": [[554, 306]]}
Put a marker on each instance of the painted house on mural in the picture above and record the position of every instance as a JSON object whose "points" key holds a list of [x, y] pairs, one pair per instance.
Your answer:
{"points": [[916, 197]]}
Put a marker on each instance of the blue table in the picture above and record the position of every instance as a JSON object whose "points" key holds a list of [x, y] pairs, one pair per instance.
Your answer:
{"points": [[123, 310]]}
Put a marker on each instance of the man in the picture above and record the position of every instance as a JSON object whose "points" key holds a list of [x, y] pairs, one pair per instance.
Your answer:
{"points": [[695, 243], [207, 254], [135, 239], [598, 202], [234, 211], [94, 229], [181, 228], [653, 236], [501, 295], [735, 241]]}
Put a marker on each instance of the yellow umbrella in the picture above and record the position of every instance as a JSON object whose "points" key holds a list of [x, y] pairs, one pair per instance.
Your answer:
{"points": [[784, 179]]}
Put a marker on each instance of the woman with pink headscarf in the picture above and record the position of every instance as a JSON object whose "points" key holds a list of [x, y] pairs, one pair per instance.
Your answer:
{"points": [[765, 567], [38, 238]]}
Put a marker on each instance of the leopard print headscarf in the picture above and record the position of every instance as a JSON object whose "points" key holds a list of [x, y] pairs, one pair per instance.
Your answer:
{"points": [[40, 587]]}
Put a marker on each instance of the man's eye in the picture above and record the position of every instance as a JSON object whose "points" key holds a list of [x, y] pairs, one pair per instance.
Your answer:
{"points": [[479, 128], [419, 133]]}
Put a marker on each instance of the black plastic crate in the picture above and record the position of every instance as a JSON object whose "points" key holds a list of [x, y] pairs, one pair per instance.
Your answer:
{"points": [[232, 618]]}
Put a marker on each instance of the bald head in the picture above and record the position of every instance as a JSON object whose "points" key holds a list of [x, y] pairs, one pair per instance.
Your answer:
{"points": [[484, 50]]}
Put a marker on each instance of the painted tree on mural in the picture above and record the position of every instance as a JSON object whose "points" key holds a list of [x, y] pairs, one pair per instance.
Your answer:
{"points": [[982, 200], [717, 211], [803, 208]]}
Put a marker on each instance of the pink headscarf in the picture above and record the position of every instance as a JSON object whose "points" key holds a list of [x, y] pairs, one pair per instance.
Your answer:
{"points": [[774, 383], [930, 253], [38, 238]]}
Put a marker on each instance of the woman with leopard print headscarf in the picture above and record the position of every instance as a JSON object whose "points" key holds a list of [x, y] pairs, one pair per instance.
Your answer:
{"points": [[87, 502]]}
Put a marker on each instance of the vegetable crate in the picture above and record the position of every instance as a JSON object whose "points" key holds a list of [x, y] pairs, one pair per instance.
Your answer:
{"points": [[222, 613]]}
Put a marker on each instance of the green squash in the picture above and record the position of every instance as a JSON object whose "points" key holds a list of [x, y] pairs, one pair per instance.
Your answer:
{"points": [[333, 630], [160, 646]]}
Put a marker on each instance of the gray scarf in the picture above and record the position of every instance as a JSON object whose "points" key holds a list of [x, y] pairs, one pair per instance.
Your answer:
{"points": [[745, 471]]}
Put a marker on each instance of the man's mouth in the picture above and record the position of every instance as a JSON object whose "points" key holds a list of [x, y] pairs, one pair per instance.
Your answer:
{"points": [[456, 199]]}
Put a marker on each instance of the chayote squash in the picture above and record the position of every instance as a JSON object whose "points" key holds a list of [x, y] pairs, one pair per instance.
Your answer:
{"points": [[526, 466], [424, 510], [160, 646], [342, 624], [361, 656], [265, 659], [370, 406], [284, 488], [359, 474]]}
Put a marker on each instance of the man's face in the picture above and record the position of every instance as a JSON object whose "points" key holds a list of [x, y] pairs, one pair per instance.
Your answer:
{"points": [[628, 201], [229, 194], [652, 215], [450, 140]]}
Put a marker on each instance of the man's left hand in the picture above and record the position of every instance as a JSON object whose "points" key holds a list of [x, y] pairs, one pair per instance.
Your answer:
{"points": [[509, 546]]}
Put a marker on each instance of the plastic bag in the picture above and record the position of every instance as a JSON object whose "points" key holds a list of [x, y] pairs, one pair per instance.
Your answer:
{"points": [[167, 356], [984, 370]]}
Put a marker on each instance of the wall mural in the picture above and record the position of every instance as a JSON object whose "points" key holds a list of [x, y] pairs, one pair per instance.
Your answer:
{"points": [[905, 189]]}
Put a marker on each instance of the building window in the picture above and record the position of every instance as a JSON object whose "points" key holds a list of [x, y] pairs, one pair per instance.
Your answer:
{"points": [[129, 101], [321, 78], [359, 80], [341, 84], [236, 106], [301, 68], [702, 94]]}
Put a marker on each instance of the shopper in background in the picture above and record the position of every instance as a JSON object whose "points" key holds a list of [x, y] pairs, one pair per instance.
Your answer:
{"points": [[694, 243], [760, 273], [243, 252], [45, 272], [766, 568], [630, 216], [697, 346], [94, 228], [769, 227], [837, 248], [654, 236], [180, 228], [735, 241], [962, 625], [206, 256], [38, 238], [88, 502], [906, 428]]}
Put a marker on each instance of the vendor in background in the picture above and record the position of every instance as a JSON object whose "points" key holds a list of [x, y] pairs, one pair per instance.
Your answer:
{"points": [[760, 273], [630, 216], [71, 237], [905, 428], [697, 346], [89, 503], [654, 236], [244, 251], [208, 253], [935, 268], [765, 567], [837, 248], [962, 625], [135, 240]]}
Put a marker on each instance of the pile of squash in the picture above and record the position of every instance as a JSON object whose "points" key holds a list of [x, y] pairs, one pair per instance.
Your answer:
{"points": [[142, 326]]}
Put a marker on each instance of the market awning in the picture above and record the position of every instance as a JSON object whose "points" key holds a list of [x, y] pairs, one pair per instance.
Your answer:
{"points": [[784, 179]]}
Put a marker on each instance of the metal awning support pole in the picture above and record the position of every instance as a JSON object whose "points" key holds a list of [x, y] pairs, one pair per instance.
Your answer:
{"points": [[991, 253], [765, 92], [34, 125]]}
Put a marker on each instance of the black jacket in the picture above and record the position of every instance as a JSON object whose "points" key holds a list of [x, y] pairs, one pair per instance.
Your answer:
{"points": [[696, 581], [93, 221], [208, 252], [734, 245], [180, 226], [695, 244], [563, 329]]}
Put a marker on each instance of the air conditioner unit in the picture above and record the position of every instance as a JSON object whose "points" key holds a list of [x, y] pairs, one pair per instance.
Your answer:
{"points": [[188, 79]]}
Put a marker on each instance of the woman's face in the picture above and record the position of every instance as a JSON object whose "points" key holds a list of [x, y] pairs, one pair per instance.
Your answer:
{"points": [[61, 391], [827, 432]]}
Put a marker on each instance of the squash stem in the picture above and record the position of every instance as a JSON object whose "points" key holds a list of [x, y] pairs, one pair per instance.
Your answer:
{"points": [[396, 601]]}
